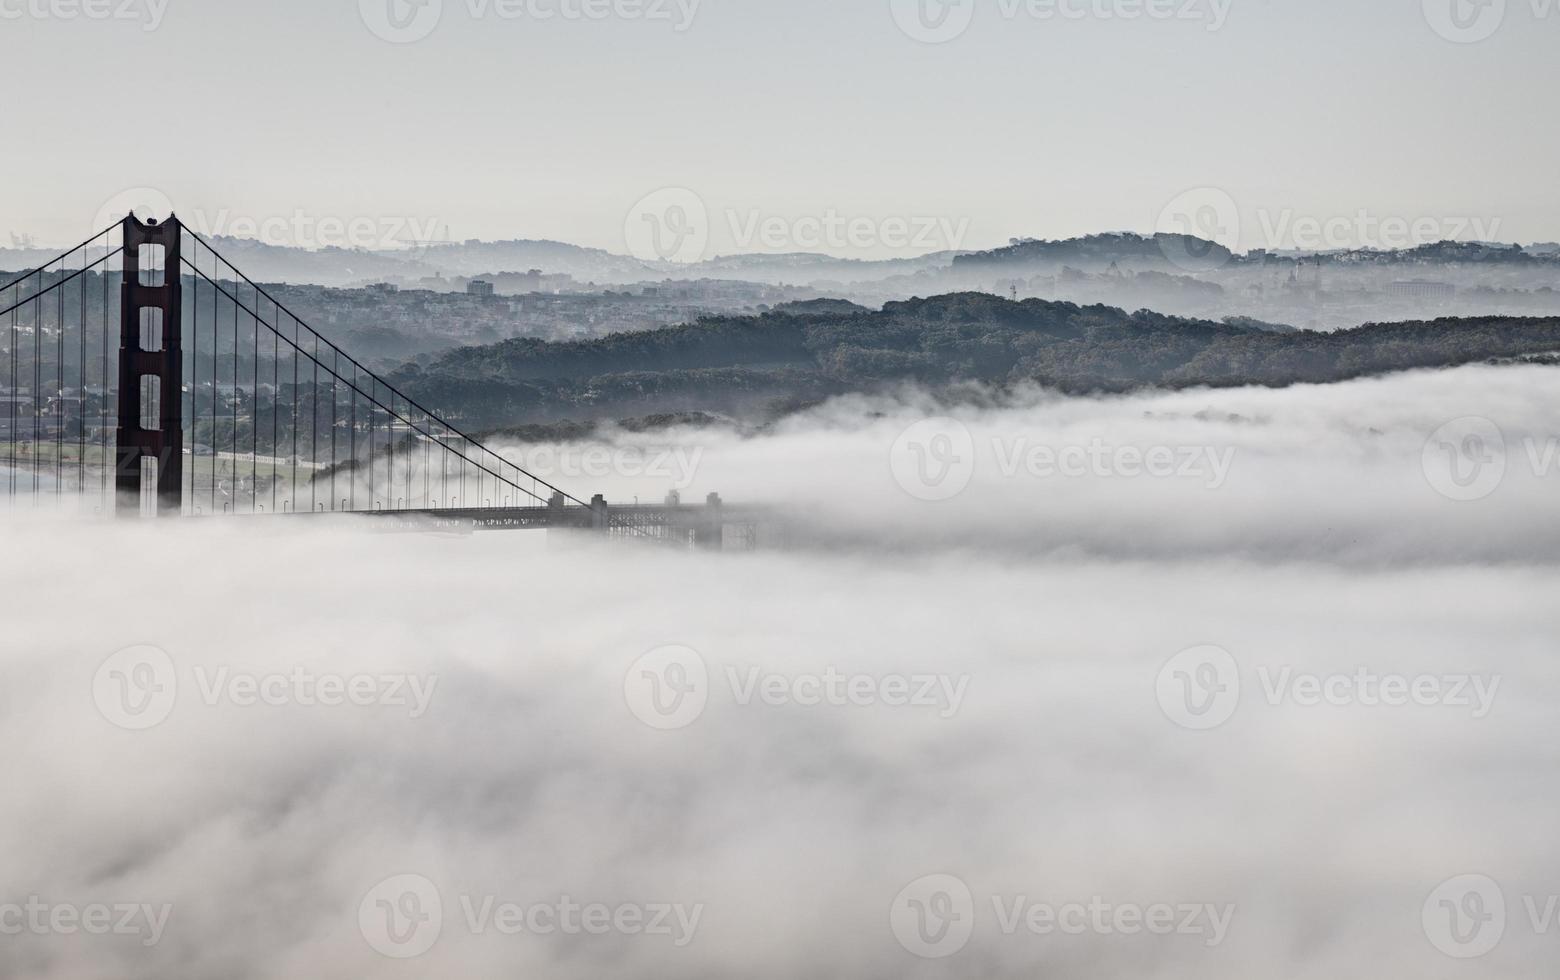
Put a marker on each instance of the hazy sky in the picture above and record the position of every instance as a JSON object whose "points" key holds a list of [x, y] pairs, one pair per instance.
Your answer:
{"points": [[1048, 120]]}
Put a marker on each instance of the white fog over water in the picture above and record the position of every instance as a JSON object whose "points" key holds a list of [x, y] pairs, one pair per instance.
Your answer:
{"points": [[1284, 695]]}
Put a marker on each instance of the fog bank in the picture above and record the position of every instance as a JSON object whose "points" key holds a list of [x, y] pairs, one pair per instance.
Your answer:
{"points": [[990, 689]]}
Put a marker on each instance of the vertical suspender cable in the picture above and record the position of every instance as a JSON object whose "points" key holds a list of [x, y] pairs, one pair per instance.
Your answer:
{"points": [[81, 386], [293, 504], [37, 388], [314, 428], [237, 397], [59, 392], [276, 406], [352, 443], [194, 415], [11, 432], [109, 388], [335, 400], [372, 476], [254, 412], [215, 386]]}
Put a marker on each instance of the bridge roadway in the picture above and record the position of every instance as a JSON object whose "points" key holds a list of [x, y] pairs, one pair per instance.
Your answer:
{"points": [[712, 525]]}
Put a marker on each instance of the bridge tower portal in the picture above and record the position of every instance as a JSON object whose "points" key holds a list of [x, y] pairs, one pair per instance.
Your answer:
{"points": [[151, 415]]}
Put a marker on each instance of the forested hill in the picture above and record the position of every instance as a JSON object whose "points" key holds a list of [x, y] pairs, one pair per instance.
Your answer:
{"points": [[748, 365]]}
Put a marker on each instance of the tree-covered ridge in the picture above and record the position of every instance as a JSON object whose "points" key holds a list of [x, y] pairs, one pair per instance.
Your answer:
{"points": [[742, 363], [1151, 250]]}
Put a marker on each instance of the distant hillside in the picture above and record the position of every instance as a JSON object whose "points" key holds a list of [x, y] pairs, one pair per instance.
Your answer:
{"points": [[935, 272], [746, 366], [1095, 251], [1179, 252]]}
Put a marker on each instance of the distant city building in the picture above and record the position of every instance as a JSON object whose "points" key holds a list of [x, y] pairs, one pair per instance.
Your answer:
{"points": [[384, 287], [480, 287], [1421, 289]]}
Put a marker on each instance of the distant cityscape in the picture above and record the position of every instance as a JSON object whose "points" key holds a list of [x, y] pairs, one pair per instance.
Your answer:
{"points": [[398, 321]]}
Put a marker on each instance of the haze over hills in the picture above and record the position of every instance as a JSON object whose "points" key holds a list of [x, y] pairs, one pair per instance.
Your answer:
{"points": [[455, 262], [1180, 275], [763, 366], [1178, 255]]}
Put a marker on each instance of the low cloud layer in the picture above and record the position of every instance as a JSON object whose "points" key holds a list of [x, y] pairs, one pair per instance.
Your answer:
{"points": [[1078, 725], [1353, 473]]}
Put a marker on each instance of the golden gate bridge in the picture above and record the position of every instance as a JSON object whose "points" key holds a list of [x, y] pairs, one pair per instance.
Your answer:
{"points": [[145, 374]]}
